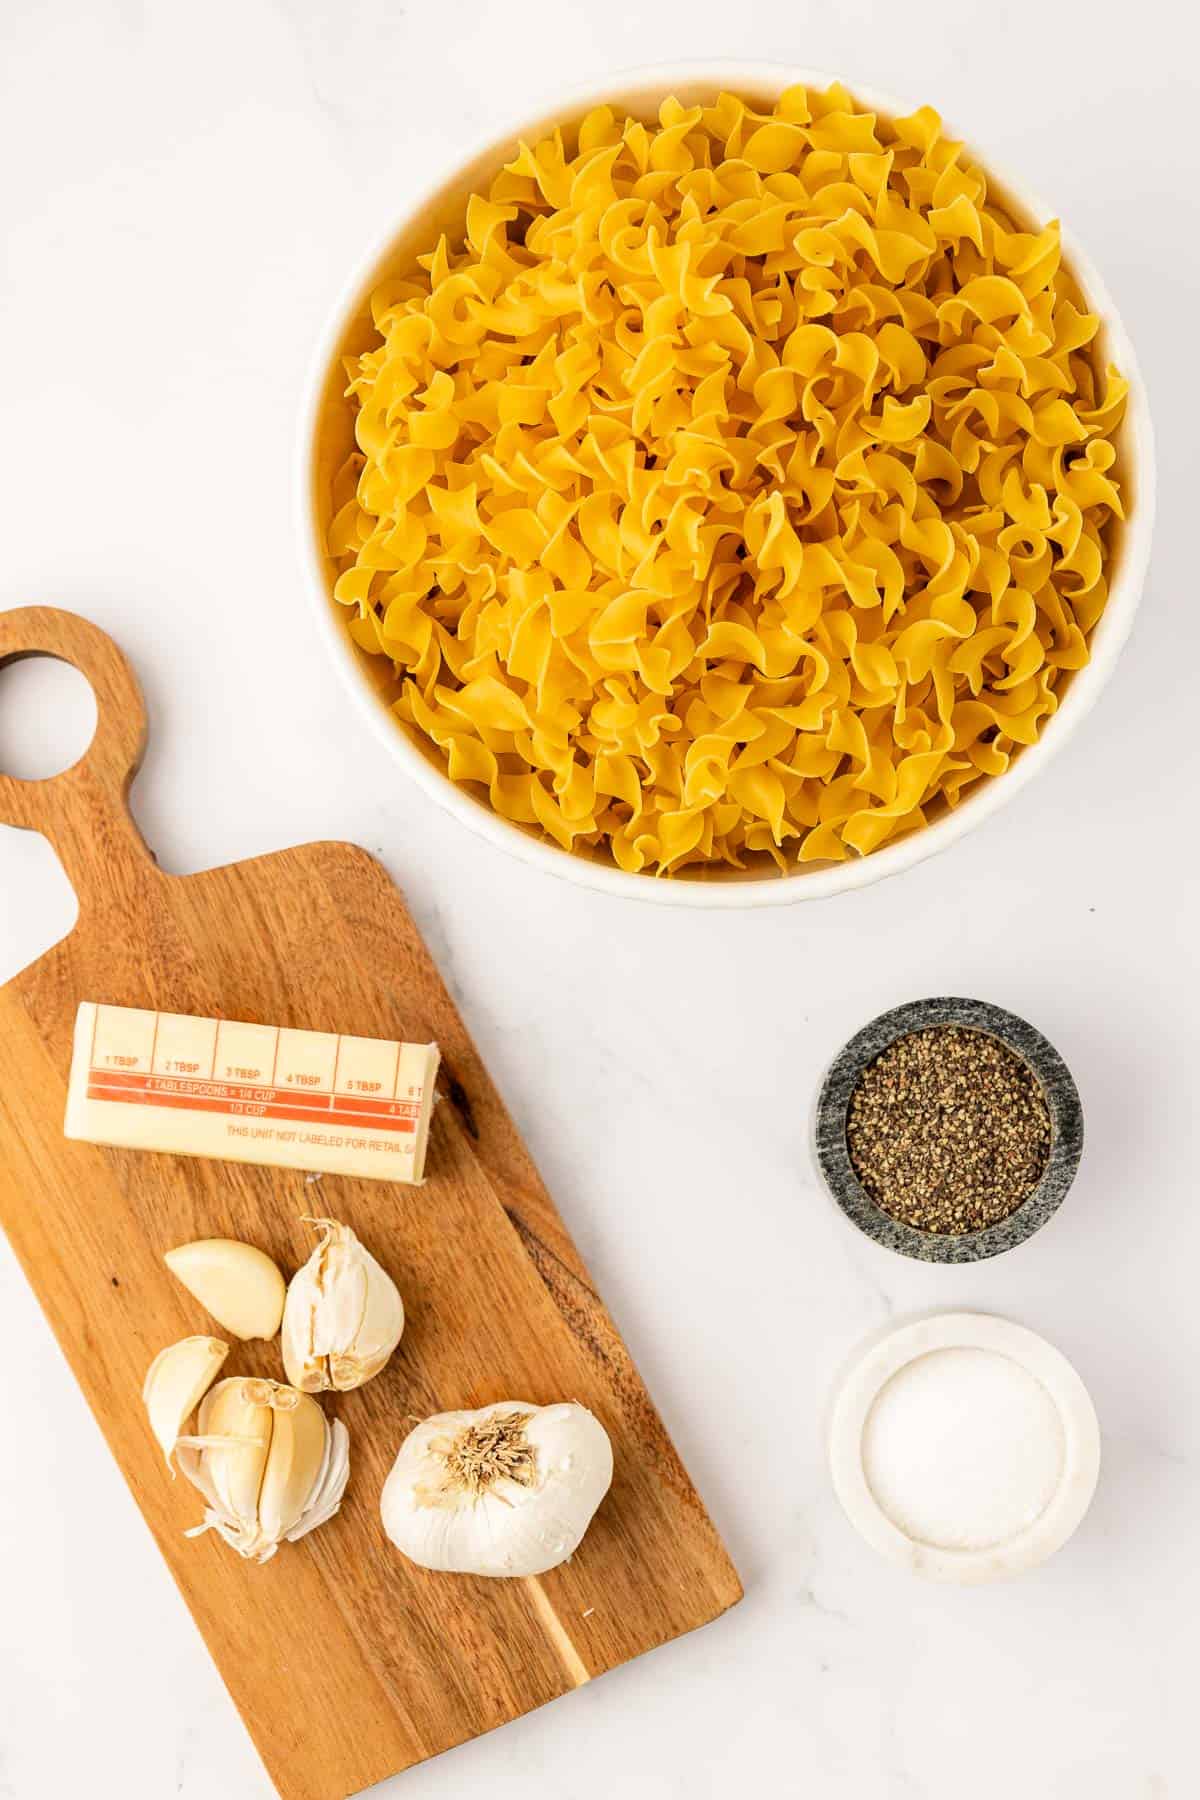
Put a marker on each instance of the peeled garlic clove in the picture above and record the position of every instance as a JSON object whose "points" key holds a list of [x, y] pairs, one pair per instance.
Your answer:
{"points": [[326, 1497], [299, 1446], [343, 1316], [176, 1382], [508, 1490], [236, 1423], [240, 1285]]}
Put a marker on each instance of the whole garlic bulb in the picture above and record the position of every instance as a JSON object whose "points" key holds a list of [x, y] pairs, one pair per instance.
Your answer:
{"points": [[507, 1490], [268, 1462], [343, 1315]]}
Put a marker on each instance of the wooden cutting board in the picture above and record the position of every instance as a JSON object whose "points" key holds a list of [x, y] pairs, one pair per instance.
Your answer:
{"points": [[346, 1662]]}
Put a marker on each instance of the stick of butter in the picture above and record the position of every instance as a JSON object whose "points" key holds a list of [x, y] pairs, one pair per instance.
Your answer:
{"points": [[315, 1100]]}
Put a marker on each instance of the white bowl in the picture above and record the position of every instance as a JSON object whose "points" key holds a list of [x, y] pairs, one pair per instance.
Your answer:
{"points": [[1019, 1537], [641, 90]]}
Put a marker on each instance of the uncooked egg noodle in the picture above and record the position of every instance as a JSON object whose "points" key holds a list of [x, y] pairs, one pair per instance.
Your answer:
{"points": [[737, 486]]}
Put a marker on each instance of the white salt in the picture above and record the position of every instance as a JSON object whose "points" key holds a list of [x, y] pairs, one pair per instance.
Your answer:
{"points": [[963, 1449]]}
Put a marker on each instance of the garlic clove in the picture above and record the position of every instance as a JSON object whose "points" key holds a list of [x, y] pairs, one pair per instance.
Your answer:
{"points": [[343, 1315], [191, 1461], [269, 1465], [236, 1422], [238, 1284], [326, 1496], [507, 1490], [176, 1382], [297, 1458]]}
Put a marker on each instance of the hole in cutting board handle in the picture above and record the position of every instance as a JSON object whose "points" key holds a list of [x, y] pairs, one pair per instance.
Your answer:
{"points": [[48, 719], [82, 809], [48, 716]]}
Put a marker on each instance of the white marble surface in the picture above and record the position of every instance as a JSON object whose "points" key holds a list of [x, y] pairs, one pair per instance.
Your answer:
{"points": [[183, 190]]}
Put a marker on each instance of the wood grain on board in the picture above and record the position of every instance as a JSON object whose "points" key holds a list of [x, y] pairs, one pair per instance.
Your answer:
{"points": [[346, 1662]]}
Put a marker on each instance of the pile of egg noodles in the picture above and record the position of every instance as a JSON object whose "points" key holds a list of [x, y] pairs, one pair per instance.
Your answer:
{"points": [[734, 487]]}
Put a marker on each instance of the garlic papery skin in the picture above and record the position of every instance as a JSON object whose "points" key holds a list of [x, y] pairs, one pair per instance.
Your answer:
{"points": [[508, 1490], [343, 1316], [238, 1284], [268, 1462], [176, 1382]]}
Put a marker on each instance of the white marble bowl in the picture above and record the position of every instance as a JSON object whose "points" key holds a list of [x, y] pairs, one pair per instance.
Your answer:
{"points": [[325, 439], [964, 1481]]}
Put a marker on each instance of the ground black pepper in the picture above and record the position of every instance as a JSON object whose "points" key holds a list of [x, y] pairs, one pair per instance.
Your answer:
{"points": [[948, 1130]]}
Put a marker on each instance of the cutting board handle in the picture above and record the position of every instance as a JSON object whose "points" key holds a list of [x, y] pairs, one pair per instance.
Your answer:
{"points": [[83, 811]]}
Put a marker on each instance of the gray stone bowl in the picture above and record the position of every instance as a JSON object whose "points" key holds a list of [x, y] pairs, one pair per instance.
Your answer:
{"points": [[1062, 1102]]}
